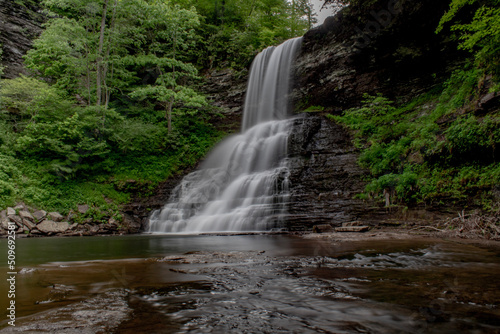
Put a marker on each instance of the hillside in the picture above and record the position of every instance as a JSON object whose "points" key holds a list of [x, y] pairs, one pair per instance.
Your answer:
{"points": [[401, 121]]}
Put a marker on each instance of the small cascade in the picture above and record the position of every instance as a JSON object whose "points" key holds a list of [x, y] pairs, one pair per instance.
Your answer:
{"points": [[243, 184]]}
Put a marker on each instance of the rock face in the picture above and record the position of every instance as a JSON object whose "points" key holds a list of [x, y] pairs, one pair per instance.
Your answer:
{"points": [[389, 48], [19, 25], [324, 176]]}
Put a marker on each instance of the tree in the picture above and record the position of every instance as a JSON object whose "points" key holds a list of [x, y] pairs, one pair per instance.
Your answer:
{"points": [[169, 30], [233, 31], [97, 48], [482, 35]]}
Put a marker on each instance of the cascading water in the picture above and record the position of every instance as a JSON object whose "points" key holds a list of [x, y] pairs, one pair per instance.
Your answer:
{"points": [[243, 184]]}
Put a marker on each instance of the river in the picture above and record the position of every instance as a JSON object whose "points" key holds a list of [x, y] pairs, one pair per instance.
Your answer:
{"points": [[253, 284]]}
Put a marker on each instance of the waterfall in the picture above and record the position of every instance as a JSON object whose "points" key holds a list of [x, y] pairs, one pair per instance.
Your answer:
{"points": [[243, 183]]}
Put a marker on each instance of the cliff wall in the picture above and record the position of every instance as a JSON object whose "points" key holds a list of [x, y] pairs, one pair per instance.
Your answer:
{"points": [[20, 24]]}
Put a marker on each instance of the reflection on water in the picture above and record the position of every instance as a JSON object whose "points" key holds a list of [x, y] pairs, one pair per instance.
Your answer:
{"points": [[44, 250], [258, 283]]}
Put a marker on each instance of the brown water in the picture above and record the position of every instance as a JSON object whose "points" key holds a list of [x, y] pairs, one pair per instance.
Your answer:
{"points": [[253, 284]]}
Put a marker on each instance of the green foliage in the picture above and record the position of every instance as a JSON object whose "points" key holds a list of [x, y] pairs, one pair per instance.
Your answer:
{"points": [[26, 100], [471, 138], [111, 107], [414, 156], [481, 35], [314, 109], [232, 32]]}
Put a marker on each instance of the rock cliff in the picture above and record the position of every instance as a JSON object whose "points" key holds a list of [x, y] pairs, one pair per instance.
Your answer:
{"points": [[20, 23], [390, 47], [324, 175]]}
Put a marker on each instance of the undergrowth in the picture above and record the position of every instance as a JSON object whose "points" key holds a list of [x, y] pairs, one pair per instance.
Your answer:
{"points": [[436, 149]]}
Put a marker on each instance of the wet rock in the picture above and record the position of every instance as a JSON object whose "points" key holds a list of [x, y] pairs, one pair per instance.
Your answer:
{"points": [[322, 228], [26, 215], [92, 229], [55, 216], [35, 231], [49, 226], [100, 314], [324, 175], [352, 229], [39, 215], [131, 224], [354, 223]]}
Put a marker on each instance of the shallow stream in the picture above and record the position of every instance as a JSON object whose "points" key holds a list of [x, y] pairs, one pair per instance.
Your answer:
{"points": [[253, 284]]}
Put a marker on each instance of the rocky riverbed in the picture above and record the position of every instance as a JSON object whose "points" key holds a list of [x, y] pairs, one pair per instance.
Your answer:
{"points": [[29, 222]]}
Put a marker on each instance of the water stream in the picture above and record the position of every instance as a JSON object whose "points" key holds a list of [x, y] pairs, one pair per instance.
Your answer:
{"points": [[243, 184], [254, 283]]}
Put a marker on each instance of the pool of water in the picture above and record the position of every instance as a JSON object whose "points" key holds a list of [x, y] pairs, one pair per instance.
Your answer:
{"points": [[253, 283]]}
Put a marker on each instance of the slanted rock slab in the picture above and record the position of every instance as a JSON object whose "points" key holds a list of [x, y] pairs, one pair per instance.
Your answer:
{"points": [[26, 215], [352, 229], [20, 207], [16, 219], [28, 224], [39, 215], [49, 226], [354, 223], [83, 208], [55, 216]]}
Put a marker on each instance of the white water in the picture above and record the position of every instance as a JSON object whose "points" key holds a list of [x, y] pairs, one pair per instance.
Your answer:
{"points": [[243, 184]]}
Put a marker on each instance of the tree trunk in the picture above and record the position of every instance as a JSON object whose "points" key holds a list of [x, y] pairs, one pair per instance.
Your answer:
{"points": [[107, 92], [99, 54], [252, 8], [168, 115]]}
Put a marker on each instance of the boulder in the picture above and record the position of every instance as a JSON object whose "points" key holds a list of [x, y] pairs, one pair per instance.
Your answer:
{"points": [[26, 215], [11, 211], [5, 223], [30, 225], [20, 206], [39, 215], [55, 216], [352, 229], [354, 223], [83, 208], [16, 219], [322, 228], [49, 226]]}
